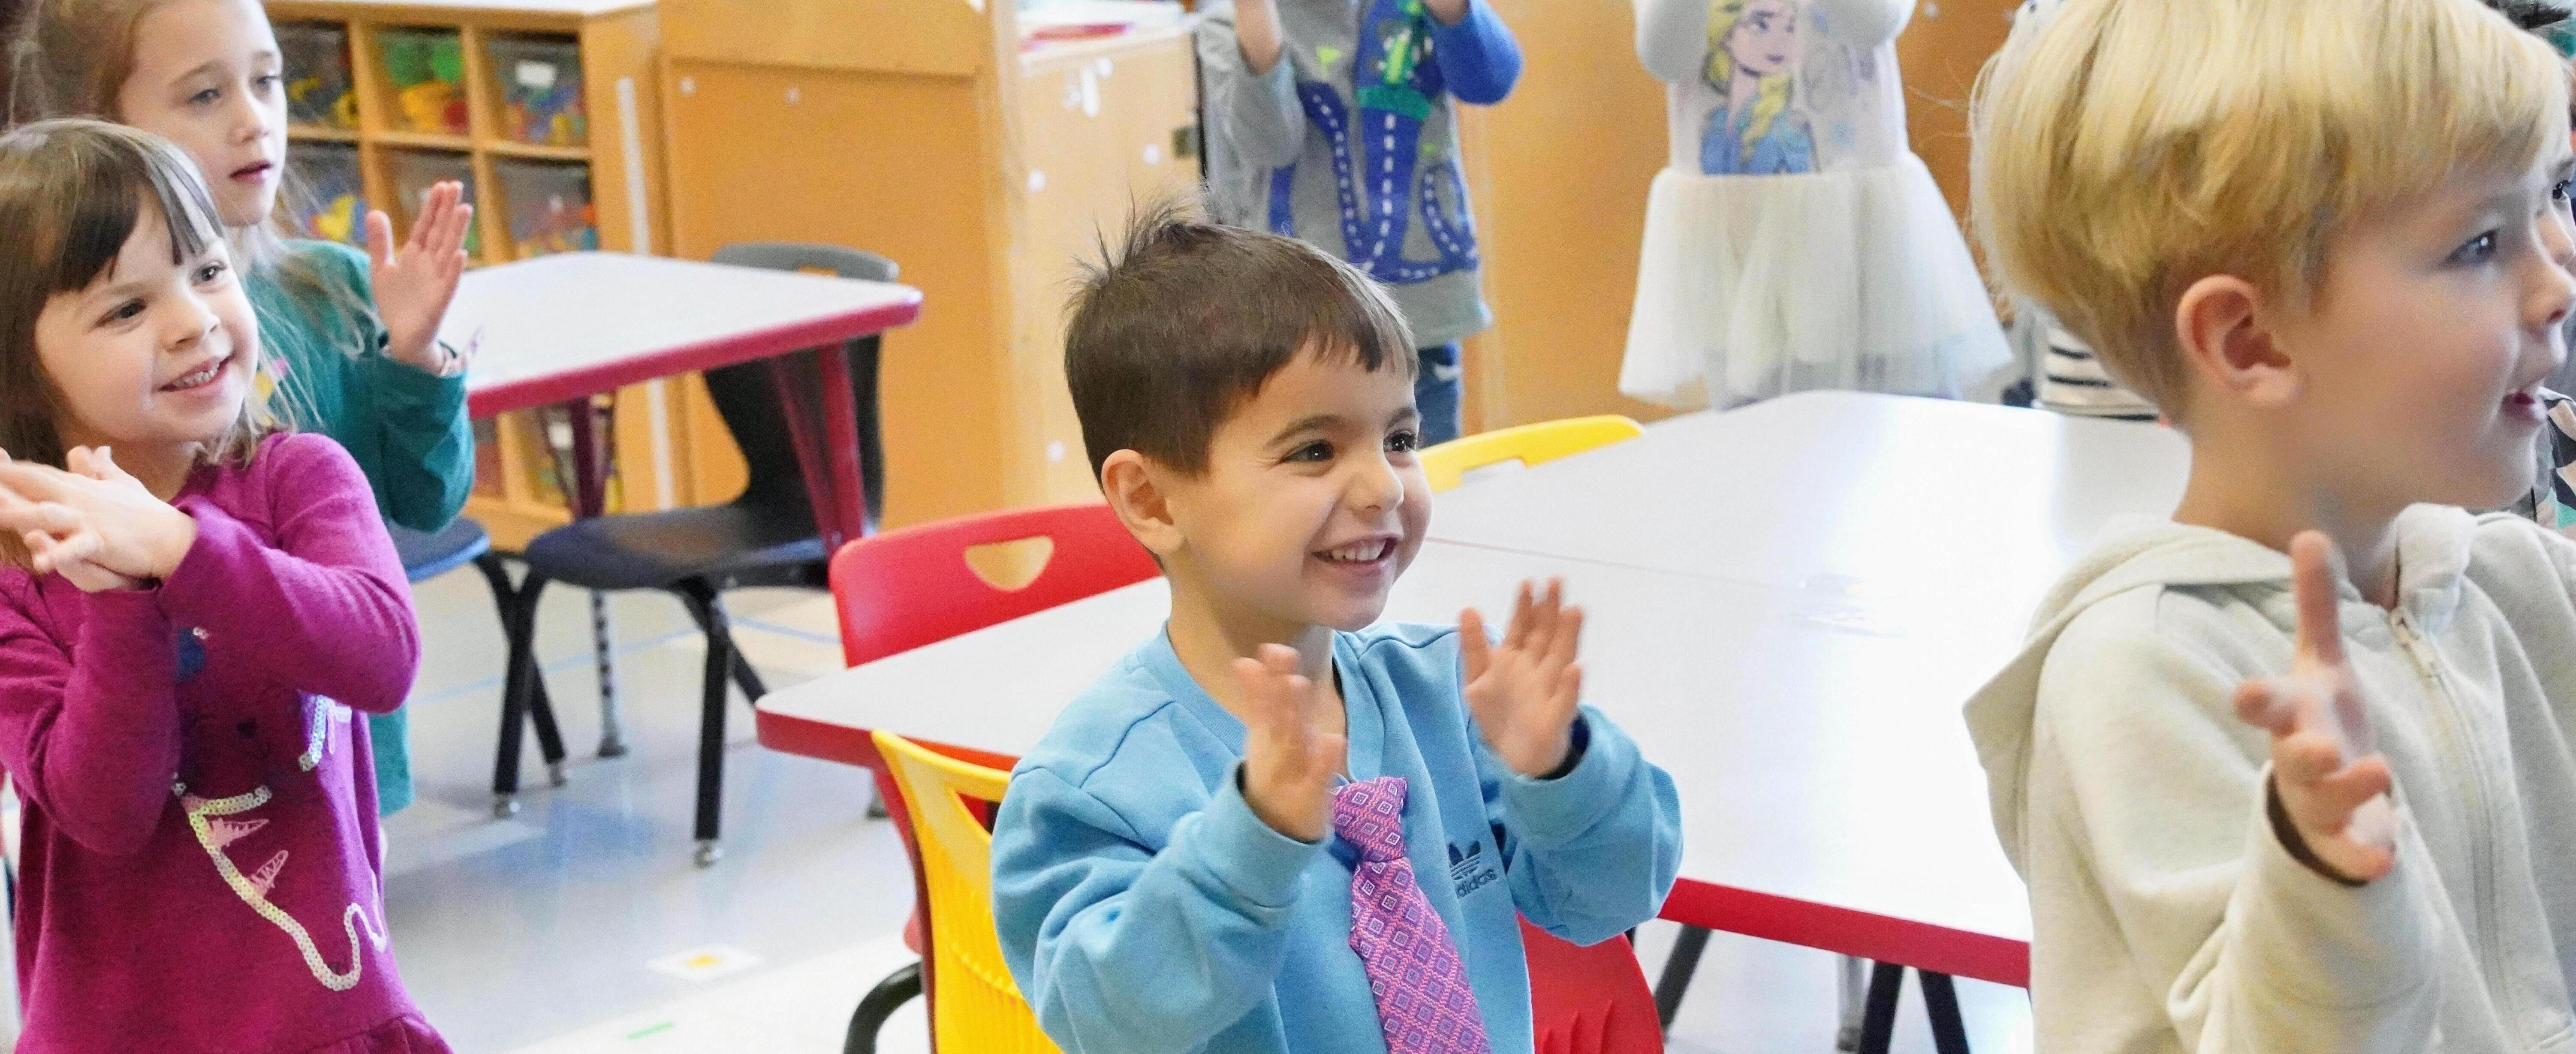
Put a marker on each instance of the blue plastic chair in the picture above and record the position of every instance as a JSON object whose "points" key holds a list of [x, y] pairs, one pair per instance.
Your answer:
{"points": [[427, 556]]}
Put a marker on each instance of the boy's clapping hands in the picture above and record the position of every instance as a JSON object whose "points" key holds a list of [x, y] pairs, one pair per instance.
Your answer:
{"points": [[1289, 756], [1523, 692]]}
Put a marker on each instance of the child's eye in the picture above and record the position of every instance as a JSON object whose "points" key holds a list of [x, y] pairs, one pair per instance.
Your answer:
{"points": [[122, 312], [206, 97], [2565, 190], [265, 83], [1316, 452], [211, 271], [1404, 441], [2479, 250]]}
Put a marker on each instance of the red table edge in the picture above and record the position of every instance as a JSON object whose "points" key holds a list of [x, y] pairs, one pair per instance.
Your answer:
{"points": [[1846, 931], [1726, 909], [709, 354]]}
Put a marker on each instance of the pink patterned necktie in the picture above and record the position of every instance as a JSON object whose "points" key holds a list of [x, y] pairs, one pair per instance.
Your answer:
{"points": [[1423, 1002]]}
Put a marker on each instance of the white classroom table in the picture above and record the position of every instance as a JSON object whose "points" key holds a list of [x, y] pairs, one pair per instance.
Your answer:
{"points": [[1837, 490], [1799, 678], [556, 331]]}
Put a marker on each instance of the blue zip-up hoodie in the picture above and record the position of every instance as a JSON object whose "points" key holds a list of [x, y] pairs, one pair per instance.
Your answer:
{"points": [[1144, 908]]}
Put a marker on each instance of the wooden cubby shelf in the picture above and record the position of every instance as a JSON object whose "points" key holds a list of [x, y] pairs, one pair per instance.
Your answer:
{"points": [[490, 54]]}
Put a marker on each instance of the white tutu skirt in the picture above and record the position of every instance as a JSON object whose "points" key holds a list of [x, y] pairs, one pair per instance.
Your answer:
{"points": [[1757, 286]]}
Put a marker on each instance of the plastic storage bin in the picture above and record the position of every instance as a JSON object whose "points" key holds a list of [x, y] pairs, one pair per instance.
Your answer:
{"points": [[416, 171], [426, 69], [332, 202], [319, 89], [540, 81], [550, 207]]}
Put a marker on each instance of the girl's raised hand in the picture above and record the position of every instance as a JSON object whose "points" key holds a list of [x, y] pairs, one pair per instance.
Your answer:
{"points": [[415, 282], [2326, 764], [94, 514], [1525, 691]]}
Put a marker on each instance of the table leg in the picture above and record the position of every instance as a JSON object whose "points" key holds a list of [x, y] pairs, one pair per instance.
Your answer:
{"points": [[826, 439], [841, 428], [589, 498], [805, 432]]}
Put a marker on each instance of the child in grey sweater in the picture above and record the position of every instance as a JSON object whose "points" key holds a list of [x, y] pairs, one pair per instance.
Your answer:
{"points": [[1332, 121]]}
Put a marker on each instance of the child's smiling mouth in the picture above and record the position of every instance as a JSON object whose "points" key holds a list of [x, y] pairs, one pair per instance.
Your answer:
{"points": [[1361, 553], [200, 377]]}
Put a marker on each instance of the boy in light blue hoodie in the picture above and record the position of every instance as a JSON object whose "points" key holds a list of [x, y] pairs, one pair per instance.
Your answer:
{"points": [[1175, 865]]}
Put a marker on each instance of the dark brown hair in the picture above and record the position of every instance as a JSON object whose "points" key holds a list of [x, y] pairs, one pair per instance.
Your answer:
{"points": [[2532, 14], [1188, 319], [70, 58], [71, 193]]}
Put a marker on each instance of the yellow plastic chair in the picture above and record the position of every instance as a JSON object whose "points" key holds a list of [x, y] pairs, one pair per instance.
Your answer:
{"points": [[1447, 465], [977, 1007]]}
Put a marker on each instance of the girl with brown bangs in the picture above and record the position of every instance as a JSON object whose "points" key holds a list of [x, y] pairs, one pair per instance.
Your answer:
{"points": [[192, 608]]}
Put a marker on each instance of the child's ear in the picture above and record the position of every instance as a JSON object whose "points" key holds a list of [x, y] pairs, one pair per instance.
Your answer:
{"points": [[2231, 341], [1137, 495]]}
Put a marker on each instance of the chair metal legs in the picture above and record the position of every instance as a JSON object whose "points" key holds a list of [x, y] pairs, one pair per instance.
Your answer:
{"points": [[1677, 973], [523, 689], [725, 667], [1851, 992], [523, 697], [1867, 1028], [897, 989], [1940, 1003]]}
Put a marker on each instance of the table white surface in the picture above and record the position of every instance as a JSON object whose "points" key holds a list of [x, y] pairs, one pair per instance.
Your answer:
{"points": [[1836, 490], [1789, 604], [575, 324], [1815, 740]]}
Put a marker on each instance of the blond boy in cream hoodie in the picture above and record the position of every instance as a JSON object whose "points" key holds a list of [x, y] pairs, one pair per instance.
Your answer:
{"points": [[2268, 800]]}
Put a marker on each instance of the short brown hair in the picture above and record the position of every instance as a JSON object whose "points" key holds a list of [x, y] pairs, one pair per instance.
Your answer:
{"points": [[1176, 329]]}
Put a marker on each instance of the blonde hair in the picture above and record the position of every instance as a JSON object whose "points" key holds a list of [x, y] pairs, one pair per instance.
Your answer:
{"points": [[70, 58], [1771, 98], [2128, 148]]}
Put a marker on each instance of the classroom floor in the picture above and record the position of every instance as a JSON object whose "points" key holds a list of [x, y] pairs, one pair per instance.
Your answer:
{"points": [[580, 925]]}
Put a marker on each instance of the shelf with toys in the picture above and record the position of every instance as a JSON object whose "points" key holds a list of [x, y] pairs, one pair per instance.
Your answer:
{"points": [[547, 111]]}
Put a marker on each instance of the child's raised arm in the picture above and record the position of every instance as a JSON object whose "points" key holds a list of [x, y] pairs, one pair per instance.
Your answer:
{"points": [[1478, 58], [1672, 38], [93, 744], [2147, 816], [1254, 115], [327, 609], [1594, 830], [1122, 948]]}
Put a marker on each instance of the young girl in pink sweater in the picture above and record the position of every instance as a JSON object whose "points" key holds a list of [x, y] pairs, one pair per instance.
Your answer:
{"points": [[191, 608]]}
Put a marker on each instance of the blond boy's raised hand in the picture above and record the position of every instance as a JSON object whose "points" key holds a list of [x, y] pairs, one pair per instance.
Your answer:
{"points": [[2332, 781], [1524, 691], [1290, 754]]}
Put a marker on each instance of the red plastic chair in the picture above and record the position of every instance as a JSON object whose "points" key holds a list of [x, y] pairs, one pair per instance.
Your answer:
{"points": [[1589, 1000], [903, 589], [908, 588]]}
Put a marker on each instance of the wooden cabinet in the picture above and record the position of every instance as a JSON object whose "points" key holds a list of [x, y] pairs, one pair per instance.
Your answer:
{"points": [[548, 111], [922, 130]]}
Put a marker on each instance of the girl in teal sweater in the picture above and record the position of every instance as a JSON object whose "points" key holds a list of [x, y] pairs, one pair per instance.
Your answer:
{"points": [[353, 338]]}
